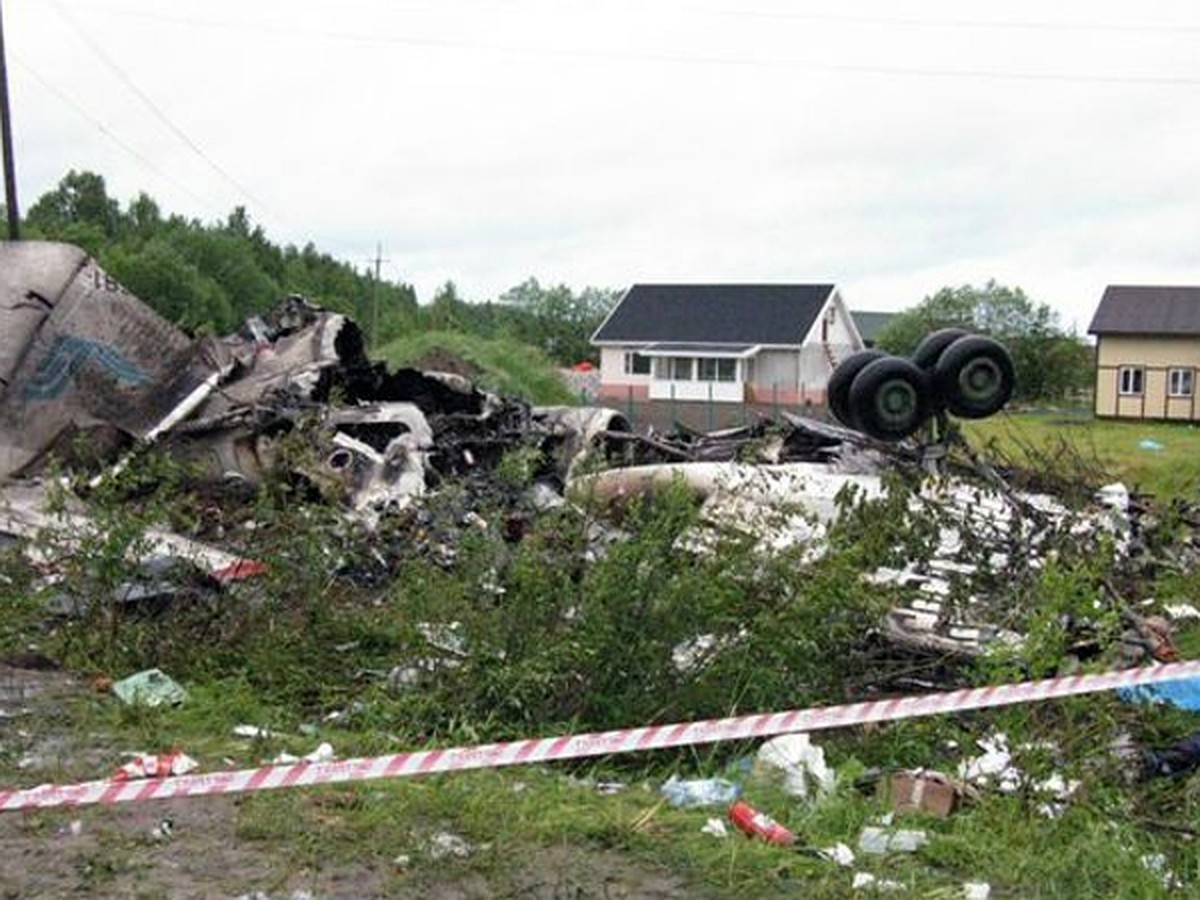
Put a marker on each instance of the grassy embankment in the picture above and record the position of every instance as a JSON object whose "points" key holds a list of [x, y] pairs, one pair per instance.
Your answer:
{"points": [[502, 365]]}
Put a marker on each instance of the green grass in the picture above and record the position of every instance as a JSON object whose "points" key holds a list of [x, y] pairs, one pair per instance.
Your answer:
{"points": [[578, 637], [1173, 471], [505, 366]]}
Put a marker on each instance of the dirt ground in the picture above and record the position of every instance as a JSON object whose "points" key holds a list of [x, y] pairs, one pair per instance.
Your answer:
{"points": [[191, 848]]}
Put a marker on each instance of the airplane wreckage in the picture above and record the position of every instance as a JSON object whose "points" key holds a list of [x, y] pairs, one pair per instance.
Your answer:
{"points": [[86, 365]]}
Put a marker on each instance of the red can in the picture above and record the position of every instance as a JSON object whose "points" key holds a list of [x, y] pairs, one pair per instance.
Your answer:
{"points": [[759, 825]]}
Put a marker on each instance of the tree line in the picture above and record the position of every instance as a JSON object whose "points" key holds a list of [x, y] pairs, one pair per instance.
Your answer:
{"points": [[1050, 364], [212, 276]]}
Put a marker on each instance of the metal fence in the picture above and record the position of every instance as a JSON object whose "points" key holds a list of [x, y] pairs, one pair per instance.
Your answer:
{"points": [[701, 415]]}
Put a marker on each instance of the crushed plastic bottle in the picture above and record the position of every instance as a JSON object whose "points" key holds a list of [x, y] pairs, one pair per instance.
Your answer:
{"points": [[700, 792]]}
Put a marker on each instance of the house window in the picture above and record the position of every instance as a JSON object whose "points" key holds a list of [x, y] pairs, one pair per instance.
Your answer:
{"points": [[1130, 380], [636, 364], [1179, 382], [680, 368], [708, 369]]}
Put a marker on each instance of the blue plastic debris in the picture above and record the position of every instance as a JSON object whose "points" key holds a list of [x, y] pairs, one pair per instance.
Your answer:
{"points": [[1184, 693]]}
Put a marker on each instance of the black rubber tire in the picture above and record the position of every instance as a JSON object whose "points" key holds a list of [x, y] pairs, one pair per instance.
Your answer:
{"points": [[889, 399], [838, 391], [975, 377], [930, 349]]}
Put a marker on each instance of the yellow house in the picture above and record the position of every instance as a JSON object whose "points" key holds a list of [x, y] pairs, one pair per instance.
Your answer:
{"points": [[1147, 352]]}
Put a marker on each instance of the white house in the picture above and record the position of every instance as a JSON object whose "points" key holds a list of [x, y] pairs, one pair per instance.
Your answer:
{"points": [[726, 343]]}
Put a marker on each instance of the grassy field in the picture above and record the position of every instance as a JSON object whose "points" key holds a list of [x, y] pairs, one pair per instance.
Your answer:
{"points": [[1159, 458]]}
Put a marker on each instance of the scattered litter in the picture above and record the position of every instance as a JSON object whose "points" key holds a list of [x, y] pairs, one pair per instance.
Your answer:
{"points": [[699, 792], [75, 829], [755, 824], [254, 732], [1181, 611], [150, 765], [976, 890], [151, 688], [715, 827], [444, 844], [1180, 758], [323, 754], [1150, 444], [608, 788], [162, 830], [802, 763], [402, 861], [993, 767], [863, 880], [876, 841], [839, 853], [1157, 863], [921, 790], [1184, 693]]}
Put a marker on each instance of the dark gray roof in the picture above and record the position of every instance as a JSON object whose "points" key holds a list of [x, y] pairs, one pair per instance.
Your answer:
{"points": [[1133, 309], [869, 324], [715, 313]]}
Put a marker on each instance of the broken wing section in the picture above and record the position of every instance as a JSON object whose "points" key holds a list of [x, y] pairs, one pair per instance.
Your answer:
{"points": [[80, 354]]}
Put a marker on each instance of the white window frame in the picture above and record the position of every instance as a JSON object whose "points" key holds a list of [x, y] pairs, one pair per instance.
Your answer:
{"points": [[1131, 381], [1181, 382], [681, 368], [632, 358]]}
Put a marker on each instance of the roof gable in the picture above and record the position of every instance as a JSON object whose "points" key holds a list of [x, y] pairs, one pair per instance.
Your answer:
{"points": [[1137, 309], [715, 313]]}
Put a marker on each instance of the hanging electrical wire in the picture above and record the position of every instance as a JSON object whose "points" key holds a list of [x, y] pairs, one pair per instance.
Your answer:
{"points": [[78, 107], [152, 106], [584, 53]]}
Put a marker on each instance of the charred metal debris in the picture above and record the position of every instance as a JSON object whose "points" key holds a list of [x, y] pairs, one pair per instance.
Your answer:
{"points": [[293, 394]]}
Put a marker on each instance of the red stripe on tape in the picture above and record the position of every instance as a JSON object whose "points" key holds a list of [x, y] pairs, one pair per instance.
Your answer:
{"points": [[579, 746]]}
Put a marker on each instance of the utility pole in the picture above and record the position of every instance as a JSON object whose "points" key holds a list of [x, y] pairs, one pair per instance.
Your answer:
{"points": [[379, 261], [10, 173]]}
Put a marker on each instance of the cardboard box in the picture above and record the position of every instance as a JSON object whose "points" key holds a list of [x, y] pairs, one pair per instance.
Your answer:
{"points": [[921, 791]]}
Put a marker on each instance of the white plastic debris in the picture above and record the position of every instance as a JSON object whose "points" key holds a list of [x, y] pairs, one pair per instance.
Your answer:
{"points": [[445, 844], [976, 890], [839, 853], [876, 841], [863, 880], [162, 830], [1157, 863], [323, 754], [802, 762], [1181, 611], [992, 767], [715, 827], [252, 732]]}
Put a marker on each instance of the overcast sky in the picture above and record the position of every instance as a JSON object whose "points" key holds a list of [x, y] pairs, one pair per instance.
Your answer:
{"points": [[890, 147]]}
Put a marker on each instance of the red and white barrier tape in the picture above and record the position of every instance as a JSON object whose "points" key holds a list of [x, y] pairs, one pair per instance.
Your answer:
{"points": [[603, 743]]}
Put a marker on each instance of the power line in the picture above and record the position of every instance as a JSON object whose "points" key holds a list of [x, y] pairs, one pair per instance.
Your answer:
{"points": [[150, 104], [964, 24], [112, 136], [676, 59], [1162, 28]]}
